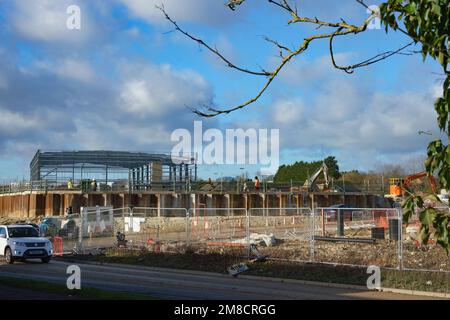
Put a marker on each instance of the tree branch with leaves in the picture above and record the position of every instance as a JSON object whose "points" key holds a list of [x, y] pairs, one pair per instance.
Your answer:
{"points": [[428, 22], [424, 22]]}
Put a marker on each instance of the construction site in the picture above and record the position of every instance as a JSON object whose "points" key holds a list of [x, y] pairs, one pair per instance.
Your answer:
{"points": [[62, 180], [94, 201]]}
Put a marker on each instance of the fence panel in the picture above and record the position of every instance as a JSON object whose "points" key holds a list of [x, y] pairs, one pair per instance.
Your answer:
{"points": [[218, 230], [158, 229], [328, 235], [358, 236], [282, 233], [62, 231], [99, 227]]}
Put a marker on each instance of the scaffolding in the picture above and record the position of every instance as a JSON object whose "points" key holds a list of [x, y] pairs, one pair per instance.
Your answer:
{"points": [[135, 170]]}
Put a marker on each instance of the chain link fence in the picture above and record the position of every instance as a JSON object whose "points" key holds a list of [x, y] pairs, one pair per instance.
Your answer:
{"points": [[331, 235], [218, 230], [334, 236], [282, 233], [98, 227], [63, 231], [358, 236]]}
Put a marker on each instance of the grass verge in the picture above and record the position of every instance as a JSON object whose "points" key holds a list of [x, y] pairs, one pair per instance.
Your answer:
{"points": [[410, 280]]}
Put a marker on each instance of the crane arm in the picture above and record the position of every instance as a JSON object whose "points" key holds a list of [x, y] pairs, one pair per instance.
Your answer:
{"points": [[415, 176], [323, 168]]}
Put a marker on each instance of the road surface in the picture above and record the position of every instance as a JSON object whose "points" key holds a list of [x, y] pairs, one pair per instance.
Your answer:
{"points": [[187, 285]]}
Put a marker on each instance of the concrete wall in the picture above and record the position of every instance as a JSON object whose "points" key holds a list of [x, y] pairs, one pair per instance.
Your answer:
{"points": [[31, 205]]}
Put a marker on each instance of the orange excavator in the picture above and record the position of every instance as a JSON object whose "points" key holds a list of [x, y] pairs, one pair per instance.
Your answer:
{"points": [[398, 187], [420, 175]]}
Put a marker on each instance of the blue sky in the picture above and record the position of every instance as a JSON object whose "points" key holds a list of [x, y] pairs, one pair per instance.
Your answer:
{"points": [[122, 82]]}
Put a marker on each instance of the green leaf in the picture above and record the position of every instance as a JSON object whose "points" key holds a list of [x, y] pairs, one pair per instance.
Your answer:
{"points": [[427, 216]]}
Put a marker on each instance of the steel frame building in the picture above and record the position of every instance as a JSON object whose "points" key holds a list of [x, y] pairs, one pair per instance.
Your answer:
{"points": [[139, 170]]}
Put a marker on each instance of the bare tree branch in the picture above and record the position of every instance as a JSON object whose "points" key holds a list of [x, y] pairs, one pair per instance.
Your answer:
{"points": [[213, 112], [382, 56], [341, 28], [215, 51], [363, 4], [276, 43], [232, 4]]}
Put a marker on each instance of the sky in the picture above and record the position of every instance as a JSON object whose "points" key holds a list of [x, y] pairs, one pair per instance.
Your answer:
{"points": [[125, 81]]}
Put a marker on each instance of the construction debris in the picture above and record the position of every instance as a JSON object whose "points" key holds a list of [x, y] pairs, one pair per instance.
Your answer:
{"points": [[259, 257], [343, 239], [258, 239], [267, 240], [237, 269], [413, 231]]}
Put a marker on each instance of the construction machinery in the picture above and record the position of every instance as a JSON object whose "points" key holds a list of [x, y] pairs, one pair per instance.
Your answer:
{"points": [[419, 175], [398, 186], [310, 183], [395, 187]]}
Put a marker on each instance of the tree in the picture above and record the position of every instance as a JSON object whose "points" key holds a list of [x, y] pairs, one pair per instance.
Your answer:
{"points": [[425, 22], [333, 168], [428, 22], [301, 170], [298, 172]]}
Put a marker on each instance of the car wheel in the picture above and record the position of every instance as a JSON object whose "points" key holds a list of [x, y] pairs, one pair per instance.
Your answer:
{"points": [[8, 256], [45, 260]]}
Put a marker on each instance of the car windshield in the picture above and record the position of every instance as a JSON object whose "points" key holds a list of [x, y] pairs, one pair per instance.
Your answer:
{"points": [[22, 232]]}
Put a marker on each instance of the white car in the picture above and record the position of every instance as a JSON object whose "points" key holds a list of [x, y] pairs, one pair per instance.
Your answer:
{"points": [[21, 242]]}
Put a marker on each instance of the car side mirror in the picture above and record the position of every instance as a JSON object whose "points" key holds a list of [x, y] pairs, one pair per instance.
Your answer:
{"points": [[3, 236]]}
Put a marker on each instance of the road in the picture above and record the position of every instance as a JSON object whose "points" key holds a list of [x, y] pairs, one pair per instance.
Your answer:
{"points": [[187, 285]]}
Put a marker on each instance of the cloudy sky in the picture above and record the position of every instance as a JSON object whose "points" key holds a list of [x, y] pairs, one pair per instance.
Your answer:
{"points": [[124, 80]]}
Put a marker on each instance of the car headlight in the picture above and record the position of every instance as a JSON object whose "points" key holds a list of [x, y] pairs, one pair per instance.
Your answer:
{"points": [[19, 244]]}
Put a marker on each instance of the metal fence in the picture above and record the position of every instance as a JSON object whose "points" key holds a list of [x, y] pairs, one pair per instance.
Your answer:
{"points": [[283, 233], [339, 236], [356, 237], [99, 226], [125, 185], [85, 186], [359, 236], [210, 230]]}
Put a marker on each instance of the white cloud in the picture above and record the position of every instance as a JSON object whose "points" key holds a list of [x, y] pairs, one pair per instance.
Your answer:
{"points": [[356, 125], [289, 112], [45, 20], [437, 90], [339, 101], [199, 11], [133, 32], [75, 69], [303, 71], [15, 123], [67, 68], [136, 109], [352, 117], [158, 90], [137, 96]]}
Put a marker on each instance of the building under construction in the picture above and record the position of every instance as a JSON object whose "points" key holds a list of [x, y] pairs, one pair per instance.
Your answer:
{"points": [[111, 169], [63, 179]]}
